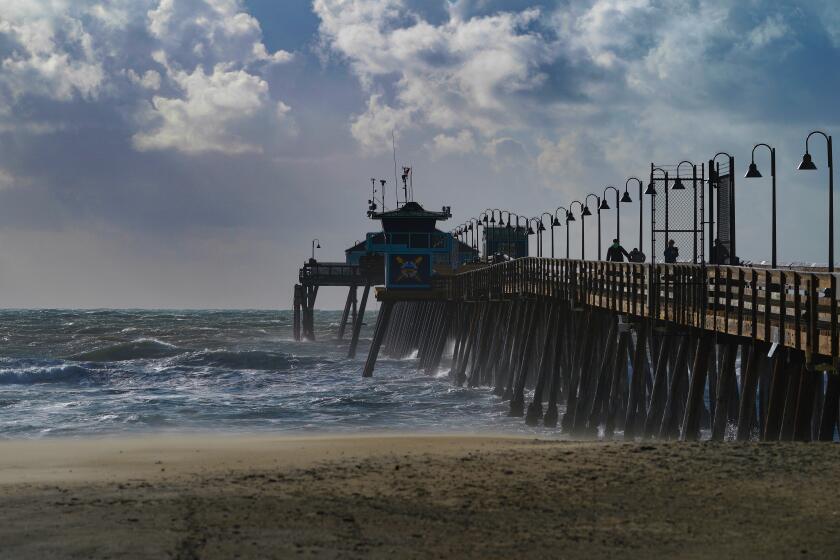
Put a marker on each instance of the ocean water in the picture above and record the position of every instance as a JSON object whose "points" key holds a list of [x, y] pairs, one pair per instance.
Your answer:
{"points": [[105, 372]]}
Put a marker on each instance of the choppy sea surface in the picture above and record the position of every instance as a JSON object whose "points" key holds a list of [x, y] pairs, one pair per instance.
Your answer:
{"points": [[78, 373]]}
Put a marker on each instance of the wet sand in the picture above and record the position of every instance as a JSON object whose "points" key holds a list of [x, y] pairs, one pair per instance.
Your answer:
{"points": [[415, 497]]}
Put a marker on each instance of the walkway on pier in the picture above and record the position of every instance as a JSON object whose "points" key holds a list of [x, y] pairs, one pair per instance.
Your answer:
{"points": [[656, 350], [313, 275]]}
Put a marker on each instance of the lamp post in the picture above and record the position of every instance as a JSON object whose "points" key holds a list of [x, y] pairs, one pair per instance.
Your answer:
{"points": [[492, 224], [474, 225], [808, 165], [508, 226], [528, 222], [485, 221], [598, 209], [556, 222], [467, 228], [584, 212], [626, 198], [605, 206], [551, 225], [754, 173], [651, 190], [316, 244]]}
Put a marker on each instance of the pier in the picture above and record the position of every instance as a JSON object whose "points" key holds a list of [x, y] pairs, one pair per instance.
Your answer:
{"points": [[638, 348], [700, 346]]}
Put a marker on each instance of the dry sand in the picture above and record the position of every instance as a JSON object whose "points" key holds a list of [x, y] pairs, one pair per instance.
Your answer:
{"points": [[415, 497]]}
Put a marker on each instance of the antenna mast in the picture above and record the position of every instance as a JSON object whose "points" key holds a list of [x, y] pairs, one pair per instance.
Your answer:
{"points": [[394, 149]]}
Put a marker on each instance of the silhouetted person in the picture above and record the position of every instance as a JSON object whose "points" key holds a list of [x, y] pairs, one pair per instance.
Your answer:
{"points": [[671, 252], [616, 252], [636, 256], [720, 254]]}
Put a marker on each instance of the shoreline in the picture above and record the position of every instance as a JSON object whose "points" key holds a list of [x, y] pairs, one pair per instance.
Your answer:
{"points": [[415, 496], [89, 458]]}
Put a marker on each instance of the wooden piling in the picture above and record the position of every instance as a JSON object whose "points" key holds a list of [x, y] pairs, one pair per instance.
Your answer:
{"points": [[535, 409], [696, 389], [342, 325], [378, 334], [749, 384], [659, 391], [636, 402], [669, 427], [619, 371], [830, 408], [298, 299], [357, 325], [725, 382]]}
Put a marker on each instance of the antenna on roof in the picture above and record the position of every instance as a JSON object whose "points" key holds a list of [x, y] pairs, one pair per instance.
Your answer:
{"points": [[394, 149], [405, 174]]}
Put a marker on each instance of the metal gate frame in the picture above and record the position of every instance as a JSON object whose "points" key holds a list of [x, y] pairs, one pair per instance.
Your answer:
{"points": [[715, 185], [662, 186]]}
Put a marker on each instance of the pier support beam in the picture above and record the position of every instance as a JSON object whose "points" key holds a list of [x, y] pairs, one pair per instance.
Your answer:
{"points": [[830, 407], [357, 324], [350, 303], [378, 334], [297, 302], [697, 388]]}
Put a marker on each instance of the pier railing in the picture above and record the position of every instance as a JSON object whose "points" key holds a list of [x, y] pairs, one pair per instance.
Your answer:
{"points": [[796, 309]]}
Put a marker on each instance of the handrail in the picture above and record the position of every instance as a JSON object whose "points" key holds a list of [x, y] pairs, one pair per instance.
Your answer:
{"points": [[794, 308]]}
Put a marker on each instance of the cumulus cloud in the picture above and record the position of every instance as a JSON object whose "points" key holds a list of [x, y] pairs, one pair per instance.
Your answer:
{"points": [[562, 71], [149, 80], [209, 32], [374, 128], [211, 115], [51, 54], [462, 74], [459, 144], [193, 70]]}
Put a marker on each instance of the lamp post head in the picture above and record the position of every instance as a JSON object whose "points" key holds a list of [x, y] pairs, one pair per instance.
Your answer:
{"points": [[493, 218], [530, 231], [678, 185], [318, 246], [807, 163], [753, 172], [508, 224], [555, 222], [541, 227], [586, 211], [570, 217], [650, 188], [626, 197], [471, 226], [604, 205]]}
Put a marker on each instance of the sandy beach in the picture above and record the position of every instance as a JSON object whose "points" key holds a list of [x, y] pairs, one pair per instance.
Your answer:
{"points": [[415, 497]]}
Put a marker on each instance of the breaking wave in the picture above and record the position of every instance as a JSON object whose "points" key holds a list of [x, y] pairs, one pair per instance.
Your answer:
{"points": [[140, 349], [61, 373]]}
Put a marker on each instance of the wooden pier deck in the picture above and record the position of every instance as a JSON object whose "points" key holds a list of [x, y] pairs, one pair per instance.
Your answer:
{"points": [[666, 350]]}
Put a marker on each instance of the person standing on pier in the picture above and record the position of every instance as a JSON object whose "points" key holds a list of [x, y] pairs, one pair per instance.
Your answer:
{"points": [[636, 256], [671, 252], [616, 252], [720, 254]]}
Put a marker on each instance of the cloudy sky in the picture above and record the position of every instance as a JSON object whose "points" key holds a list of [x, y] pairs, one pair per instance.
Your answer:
{"points": [[184, 153]]}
